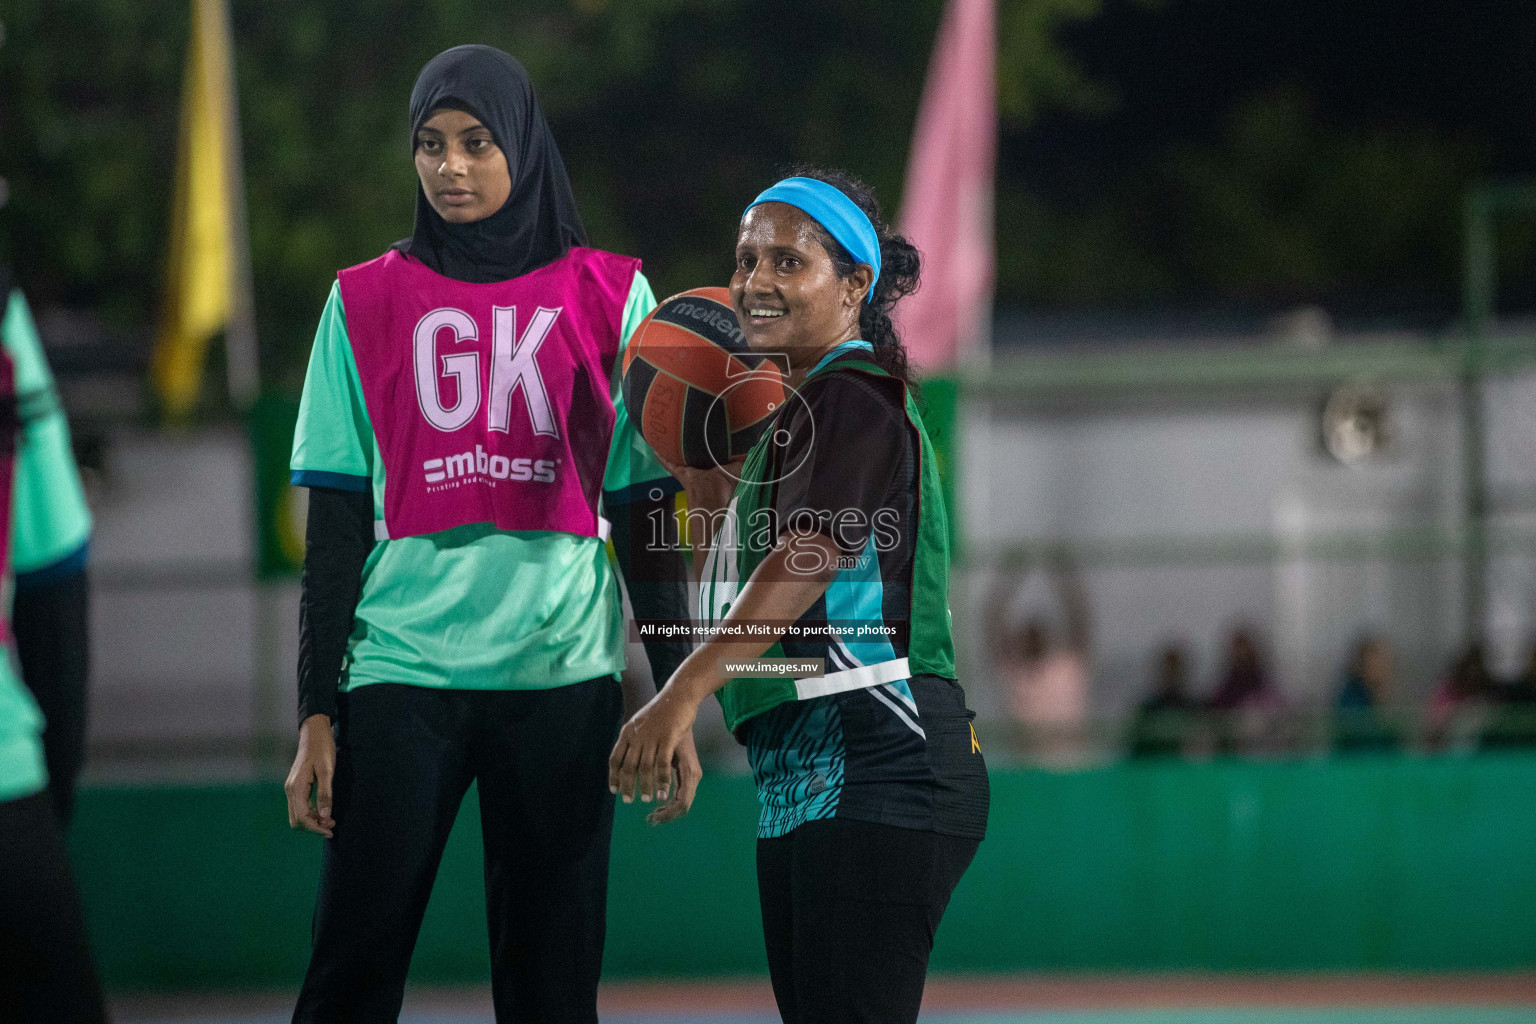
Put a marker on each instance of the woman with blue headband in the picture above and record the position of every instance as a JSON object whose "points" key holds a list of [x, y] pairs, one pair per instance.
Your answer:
{"points": [[829, 545]]}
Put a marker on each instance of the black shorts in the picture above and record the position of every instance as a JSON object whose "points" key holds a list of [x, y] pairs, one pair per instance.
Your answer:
{"points": [[913, 763], [849, 914]]}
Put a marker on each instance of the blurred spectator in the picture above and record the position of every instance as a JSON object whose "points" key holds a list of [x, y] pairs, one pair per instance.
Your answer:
{"points": [[1460, 707], [1247, 705], [1244, 682], [1513, 719], [1523, 689], [1044, 680], [1162, 724], [1361, 717]]}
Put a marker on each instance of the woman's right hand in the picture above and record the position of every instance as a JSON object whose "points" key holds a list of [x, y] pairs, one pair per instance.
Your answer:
{"points": [[708, 489], [709, 492], [313, 767]]}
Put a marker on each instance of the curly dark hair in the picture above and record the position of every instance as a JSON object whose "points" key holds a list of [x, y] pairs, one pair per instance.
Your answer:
{"points": [[900, 270]]}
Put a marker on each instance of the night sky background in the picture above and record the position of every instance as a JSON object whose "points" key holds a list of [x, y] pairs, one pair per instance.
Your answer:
{"points": [[1157, 157], [1447, 92]]}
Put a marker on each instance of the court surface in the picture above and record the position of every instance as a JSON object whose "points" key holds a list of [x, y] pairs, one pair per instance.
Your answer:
{"points": [[1106, 999], [1209, 1015]]}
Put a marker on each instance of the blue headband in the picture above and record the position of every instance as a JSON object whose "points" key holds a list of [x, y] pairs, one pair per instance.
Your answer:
{"points": [[829, 207]]}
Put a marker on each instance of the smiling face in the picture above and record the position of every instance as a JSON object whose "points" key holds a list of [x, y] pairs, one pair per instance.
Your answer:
{"points": [[463, 172], [786, 290]]}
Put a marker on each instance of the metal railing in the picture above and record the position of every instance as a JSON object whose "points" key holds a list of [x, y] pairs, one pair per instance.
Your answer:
{"points": [[1478, 726]]}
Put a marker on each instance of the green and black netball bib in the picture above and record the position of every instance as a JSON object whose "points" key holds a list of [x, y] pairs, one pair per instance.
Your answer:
{"points": [[885, 616]]}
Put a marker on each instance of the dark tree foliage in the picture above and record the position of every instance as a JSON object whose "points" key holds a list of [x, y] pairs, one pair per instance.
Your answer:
{"points": [[672, 113], [1257, 152]]}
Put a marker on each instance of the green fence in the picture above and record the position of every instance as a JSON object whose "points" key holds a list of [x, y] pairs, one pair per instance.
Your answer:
{"points": [[1372, 863]]}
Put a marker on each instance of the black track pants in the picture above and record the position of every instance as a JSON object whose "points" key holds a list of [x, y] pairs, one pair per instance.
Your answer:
{"points": [[849, 912], [405, 758], [51, 623], [46, 974]]}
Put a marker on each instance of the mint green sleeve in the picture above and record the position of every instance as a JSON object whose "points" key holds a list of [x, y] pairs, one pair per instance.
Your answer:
{"points": [[22, 768], [633, 469], [333, 439], [50, 521]]}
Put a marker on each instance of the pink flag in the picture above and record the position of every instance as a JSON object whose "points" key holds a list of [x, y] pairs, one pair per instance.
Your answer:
{"points": [[947, 207]]}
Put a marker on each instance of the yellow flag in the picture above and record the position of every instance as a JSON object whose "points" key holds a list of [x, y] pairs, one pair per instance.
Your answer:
{"points": [[202, 274]]}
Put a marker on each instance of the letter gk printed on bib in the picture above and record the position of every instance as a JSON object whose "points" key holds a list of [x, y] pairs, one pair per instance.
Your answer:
{"points": [[490, 402]]}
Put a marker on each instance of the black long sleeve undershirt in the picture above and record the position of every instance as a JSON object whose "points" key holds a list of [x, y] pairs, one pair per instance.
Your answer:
{"points": [[654, 574], [337, 540], [50, 621]]}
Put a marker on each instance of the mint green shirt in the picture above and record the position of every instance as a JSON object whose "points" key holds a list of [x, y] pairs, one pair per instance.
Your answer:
{"points": [[50, 525], [50, 520], [475, 607]]}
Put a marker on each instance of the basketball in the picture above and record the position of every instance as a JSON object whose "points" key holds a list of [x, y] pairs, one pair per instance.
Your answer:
{"points": [[698, 395]]}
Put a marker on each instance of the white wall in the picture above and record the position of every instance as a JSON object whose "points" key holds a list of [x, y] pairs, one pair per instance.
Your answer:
{"points": [[1122, 472], [174, 612]]}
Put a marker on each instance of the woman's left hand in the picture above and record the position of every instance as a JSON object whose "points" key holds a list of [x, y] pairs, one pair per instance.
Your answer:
{"points": [[686, 764], [642, 759]]}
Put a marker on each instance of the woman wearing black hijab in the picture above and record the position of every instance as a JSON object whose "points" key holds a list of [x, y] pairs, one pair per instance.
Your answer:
{"points": [[459, 620], [538, 221]]}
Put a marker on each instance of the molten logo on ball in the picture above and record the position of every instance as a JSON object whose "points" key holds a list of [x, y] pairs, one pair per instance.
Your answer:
{"points": [[697, 393]]}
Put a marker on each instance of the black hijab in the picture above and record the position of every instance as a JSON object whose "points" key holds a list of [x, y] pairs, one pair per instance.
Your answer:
{"points": [[538, 223]]}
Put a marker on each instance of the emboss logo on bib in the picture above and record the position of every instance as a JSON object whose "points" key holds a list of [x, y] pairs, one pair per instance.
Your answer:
{"points": [[479, 465]]}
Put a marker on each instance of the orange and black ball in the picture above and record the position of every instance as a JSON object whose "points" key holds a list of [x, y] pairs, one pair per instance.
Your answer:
{"points": [[697, 393]]}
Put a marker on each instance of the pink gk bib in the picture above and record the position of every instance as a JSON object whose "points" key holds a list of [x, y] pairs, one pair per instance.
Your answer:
{"points": [[490, 402]]}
